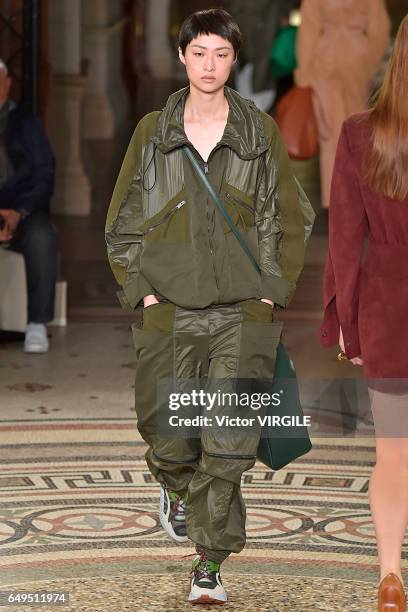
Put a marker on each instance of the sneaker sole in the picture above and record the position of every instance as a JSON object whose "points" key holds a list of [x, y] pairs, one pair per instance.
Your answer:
{"points": [[206, 599], [36, 349], [166, 525]]}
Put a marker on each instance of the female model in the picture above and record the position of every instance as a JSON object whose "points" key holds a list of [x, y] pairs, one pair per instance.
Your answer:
{"points": [[207, 313], [368, 305], [339, 48]]}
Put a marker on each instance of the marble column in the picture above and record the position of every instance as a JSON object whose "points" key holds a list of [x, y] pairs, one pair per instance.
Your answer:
{"points": [[105, 103], [72, 194], [160, 56]]}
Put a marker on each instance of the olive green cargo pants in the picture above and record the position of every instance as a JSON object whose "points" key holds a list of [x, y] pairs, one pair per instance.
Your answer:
{"points": [[234, 341]]}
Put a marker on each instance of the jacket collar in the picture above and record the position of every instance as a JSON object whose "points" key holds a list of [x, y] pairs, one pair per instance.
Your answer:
{"points": [[243, 132]]}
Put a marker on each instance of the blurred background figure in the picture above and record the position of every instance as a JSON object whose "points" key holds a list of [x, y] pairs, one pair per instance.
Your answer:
{"points": [[26, 185], [259, 23], [340, 46]]}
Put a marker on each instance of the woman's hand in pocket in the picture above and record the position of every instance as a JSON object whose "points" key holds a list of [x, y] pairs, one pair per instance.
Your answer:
{"points": [[148, 300]]}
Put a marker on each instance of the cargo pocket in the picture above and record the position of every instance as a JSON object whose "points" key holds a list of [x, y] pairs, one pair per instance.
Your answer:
{"points": [[240, 207], [154, 369], [159, 317], [259, 343], [154, 381], [257, 358], [171, 224], [257, 310]]}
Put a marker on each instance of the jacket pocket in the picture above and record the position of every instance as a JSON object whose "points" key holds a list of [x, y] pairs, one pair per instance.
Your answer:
{"points": [[240, 207], [171, 224]]}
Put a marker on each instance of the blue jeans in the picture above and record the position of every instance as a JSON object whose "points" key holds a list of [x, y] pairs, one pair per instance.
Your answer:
{"points": [[36, 239]]}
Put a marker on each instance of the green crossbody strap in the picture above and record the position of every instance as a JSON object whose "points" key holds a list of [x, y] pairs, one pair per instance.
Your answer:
{"points": [[220, 206]]}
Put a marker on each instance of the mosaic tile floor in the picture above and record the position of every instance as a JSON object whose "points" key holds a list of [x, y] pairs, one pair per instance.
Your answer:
{"points": [[168, 592], [79, 509]]}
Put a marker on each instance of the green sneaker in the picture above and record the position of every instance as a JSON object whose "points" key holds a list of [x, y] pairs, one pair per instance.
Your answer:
{"points": [[173, 514], [206, 585]]}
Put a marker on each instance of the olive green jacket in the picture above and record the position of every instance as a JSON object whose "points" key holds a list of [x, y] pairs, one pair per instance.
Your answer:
{"points": [[164, 234]]}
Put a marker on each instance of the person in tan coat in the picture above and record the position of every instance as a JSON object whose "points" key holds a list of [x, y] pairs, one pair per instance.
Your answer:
{"points": [[340, 45]]}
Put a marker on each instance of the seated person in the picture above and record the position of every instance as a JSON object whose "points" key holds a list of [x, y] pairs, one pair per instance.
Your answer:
{"points": [[26, 184]]}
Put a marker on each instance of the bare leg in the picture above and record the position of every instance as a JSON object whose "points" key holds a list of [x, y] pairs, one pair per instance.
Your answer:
{"points": [[388, 489]]}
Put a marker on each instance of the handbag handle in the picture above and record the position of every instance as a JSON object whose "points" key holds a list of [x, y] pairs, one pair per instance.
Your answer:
{"points": [[220, 206]]}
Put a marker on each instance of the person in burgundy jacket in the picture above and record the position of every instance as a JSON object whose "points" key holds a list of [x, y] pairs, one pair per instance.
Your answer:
{"points": [[366, 297]]}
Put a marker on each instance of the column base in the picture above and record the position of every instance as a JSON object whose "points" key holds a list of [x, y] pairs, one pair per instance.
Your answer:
{"points": [[72, 194], [98, 119]]}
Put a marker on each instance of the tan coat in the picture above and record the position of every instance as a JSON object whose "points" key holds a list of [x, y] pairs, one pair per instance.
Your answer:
{"points": [[340, 46]]}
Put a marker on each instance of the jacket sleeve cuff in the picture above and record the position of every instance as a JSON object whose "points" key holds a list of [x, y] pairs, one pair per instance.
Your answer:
{"points": [[133, 291], [277, 289], [23, 212], [351, 341], [328, 334], [29, 205]]}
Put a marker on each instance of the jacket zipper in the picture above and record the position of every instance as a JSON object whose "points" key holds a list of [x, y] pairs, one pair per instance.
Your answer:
{"points": [[166, 216], [236, 201], [210, 242]]}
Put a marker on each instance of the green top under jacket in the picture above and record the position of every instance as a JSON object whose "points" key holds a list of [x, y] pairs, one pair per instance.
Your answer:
{"points": [[164, 234]]}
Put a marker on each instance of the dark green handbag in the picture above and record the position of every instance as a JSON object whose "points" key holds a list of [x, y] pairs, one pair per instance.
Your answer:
{"points": [[274, 451], [277, 451]]}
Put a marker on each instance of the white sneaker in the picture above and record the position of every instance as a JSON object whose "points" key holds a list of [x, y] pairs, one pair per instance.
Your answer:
{"points": [[36, 340], [173, 514], [206, 585]]}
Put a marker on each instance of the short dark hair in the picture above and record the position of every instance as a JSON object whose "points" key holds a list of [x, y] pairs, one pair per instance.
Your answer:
{"points": [[210, 21]]}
